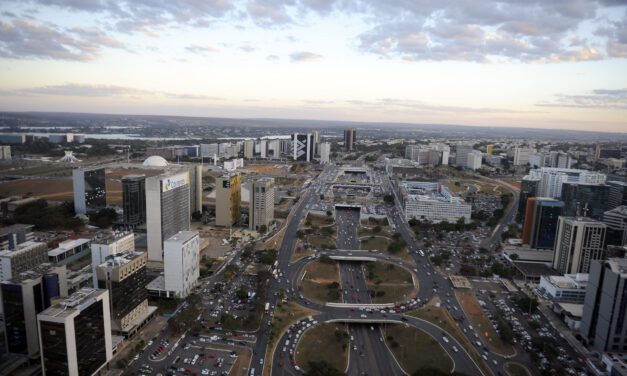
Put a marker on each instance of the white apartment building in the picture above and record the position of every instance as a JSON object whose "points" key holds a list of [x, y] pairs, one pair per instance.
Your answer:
{"points": [[433, 202], [473, 161], [551, 179], [249, 149], [521, 156], [181, 263]]}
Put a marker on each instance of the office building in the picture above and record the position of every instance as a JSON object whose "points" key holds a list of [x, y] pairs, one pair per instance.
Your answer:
{"points": [[489, 149], [263, 149], [24, 257], [303, 147], [473, 160], [228, 199], [167, 209], [325, 152], [13, 235], [589, 200], [559, 159], [249, 149], [428, 155], [124, 276], [603, 323], [537, 160], [550, 179], [233, 164], [12, 138], [609, 153], [316, 141], [90, 189], [461, 154], [5, 152], [528, 188], [540, 226], [23, 297], [579, 241], [111, 245], [350, 139], [274, 149], [261, 208], [209, 150], [616, 221], [428, 201], [69, 251], [134, 200], [521, 156], [195, 188], [75, 334], [618, 194], [181, 265], [570, 288]]}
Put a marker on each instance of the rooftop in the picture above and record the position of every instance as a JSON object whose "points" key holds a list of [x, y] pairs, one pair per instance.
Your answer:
{"points": [[111, 237], [13, 228], [22, 247], [75, 302], [122, 259], [618, 265], [182, 236], [67, 245]]}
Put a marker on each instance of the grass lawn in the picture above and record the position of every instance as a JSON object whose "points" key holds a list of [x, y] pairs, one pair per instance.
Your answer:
{"points": [[284, 316], [319, 220], [415, 349], [515, 369], [482, 325], [441, 317], [321, 241], [394, 282], [321, 343], [376, 243], [318, 276]]}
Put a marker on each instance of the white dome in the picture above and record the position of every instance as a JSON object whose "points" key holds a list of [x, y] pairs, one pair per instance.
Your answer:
{"points": [[155, 161]]}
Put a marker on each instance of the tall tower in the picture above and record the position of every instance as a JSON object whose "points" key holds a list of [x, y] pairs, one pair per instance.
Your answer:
{"points": [[261, 208], [228, 199], [350, 138], [134, 199], [579, 241]]}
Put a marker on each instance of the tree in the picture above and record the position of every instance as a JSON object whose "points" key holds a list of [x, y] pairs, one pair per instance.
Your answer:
{"points": [[376, 229], [241, 293], [329, 214], [263, 229], [322, 197], [322, 368], [388, 199]]}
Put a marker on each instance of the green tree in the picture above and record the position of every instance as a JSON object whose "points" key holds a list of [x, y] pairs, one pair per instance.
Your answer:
{"points": [[322, 368]]}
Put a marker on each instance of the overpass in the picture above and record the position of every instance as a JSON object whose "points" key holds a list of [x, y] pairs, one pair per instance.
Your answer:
{"points": [[353, 258], [360, 305]]}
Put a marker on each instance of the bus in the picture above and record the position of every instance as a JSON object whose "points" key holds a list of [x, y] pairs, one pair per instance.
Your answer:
{"points": [[267, 307]]}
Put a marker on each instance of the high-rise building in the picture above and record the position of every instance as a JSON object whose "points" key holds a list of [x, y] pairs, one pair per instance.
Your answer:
{"points": [[75, 334], [12, 236], [540, 224], [5, 152], [26, 256], [603, 323], [274, 148], [461, 154], [303, 147], [473, 160], [489, 149], [23, 297], [589, 199], [325, 152], [195, 188], [579, 241], [134, 199], [609, 153], [228, 199], [261, 209], [249, 149], [263, 149], [124, 276], [537, 160], [560, 159], [521, 156], [551, 179], [90, 189], [181, 264], [316, 142], [107, 246], [528, 188], [350, 139], [167, 209], [618, 194], [616, 221]]}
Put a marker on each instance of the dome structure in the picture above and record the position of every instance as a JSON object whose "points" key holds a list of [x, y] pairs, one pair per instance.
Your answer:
{"points": [[155, 161]]}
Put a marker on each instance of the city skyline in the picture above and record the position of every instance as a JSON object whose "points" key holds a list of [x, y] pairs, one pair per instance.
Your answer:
{"points": [[513, 64]]}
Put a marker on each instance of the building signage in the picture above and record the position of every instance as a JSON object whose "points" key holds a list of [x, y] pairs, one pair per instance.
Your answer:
{"points": [[175, 181]]}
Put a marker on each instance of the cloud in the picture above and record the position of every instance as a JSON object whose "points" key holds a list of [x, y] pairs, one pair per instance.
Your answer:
{"points": [[21, 39], [600, 98], [388, 104], [101, 91], [304, 56], [200, 50]]}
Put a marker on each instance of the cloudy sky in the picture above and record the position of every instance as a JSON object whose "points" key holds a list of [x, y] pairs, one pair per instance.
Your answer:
{"points": [[529, 63]]}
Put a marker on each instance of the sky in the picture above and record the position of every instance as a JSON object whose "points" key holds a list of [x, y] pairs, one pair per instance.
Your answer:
{"points": [[517, 63]]}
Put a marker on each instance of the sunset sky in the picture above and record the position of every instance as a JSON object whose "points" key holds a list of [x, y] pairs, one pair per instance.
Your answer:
{"points": [[527, 63]]}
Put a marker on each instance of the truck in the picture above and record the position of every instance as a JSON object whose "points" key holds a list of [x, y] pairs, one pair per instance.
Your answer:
{"points": [[267, 307]]}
